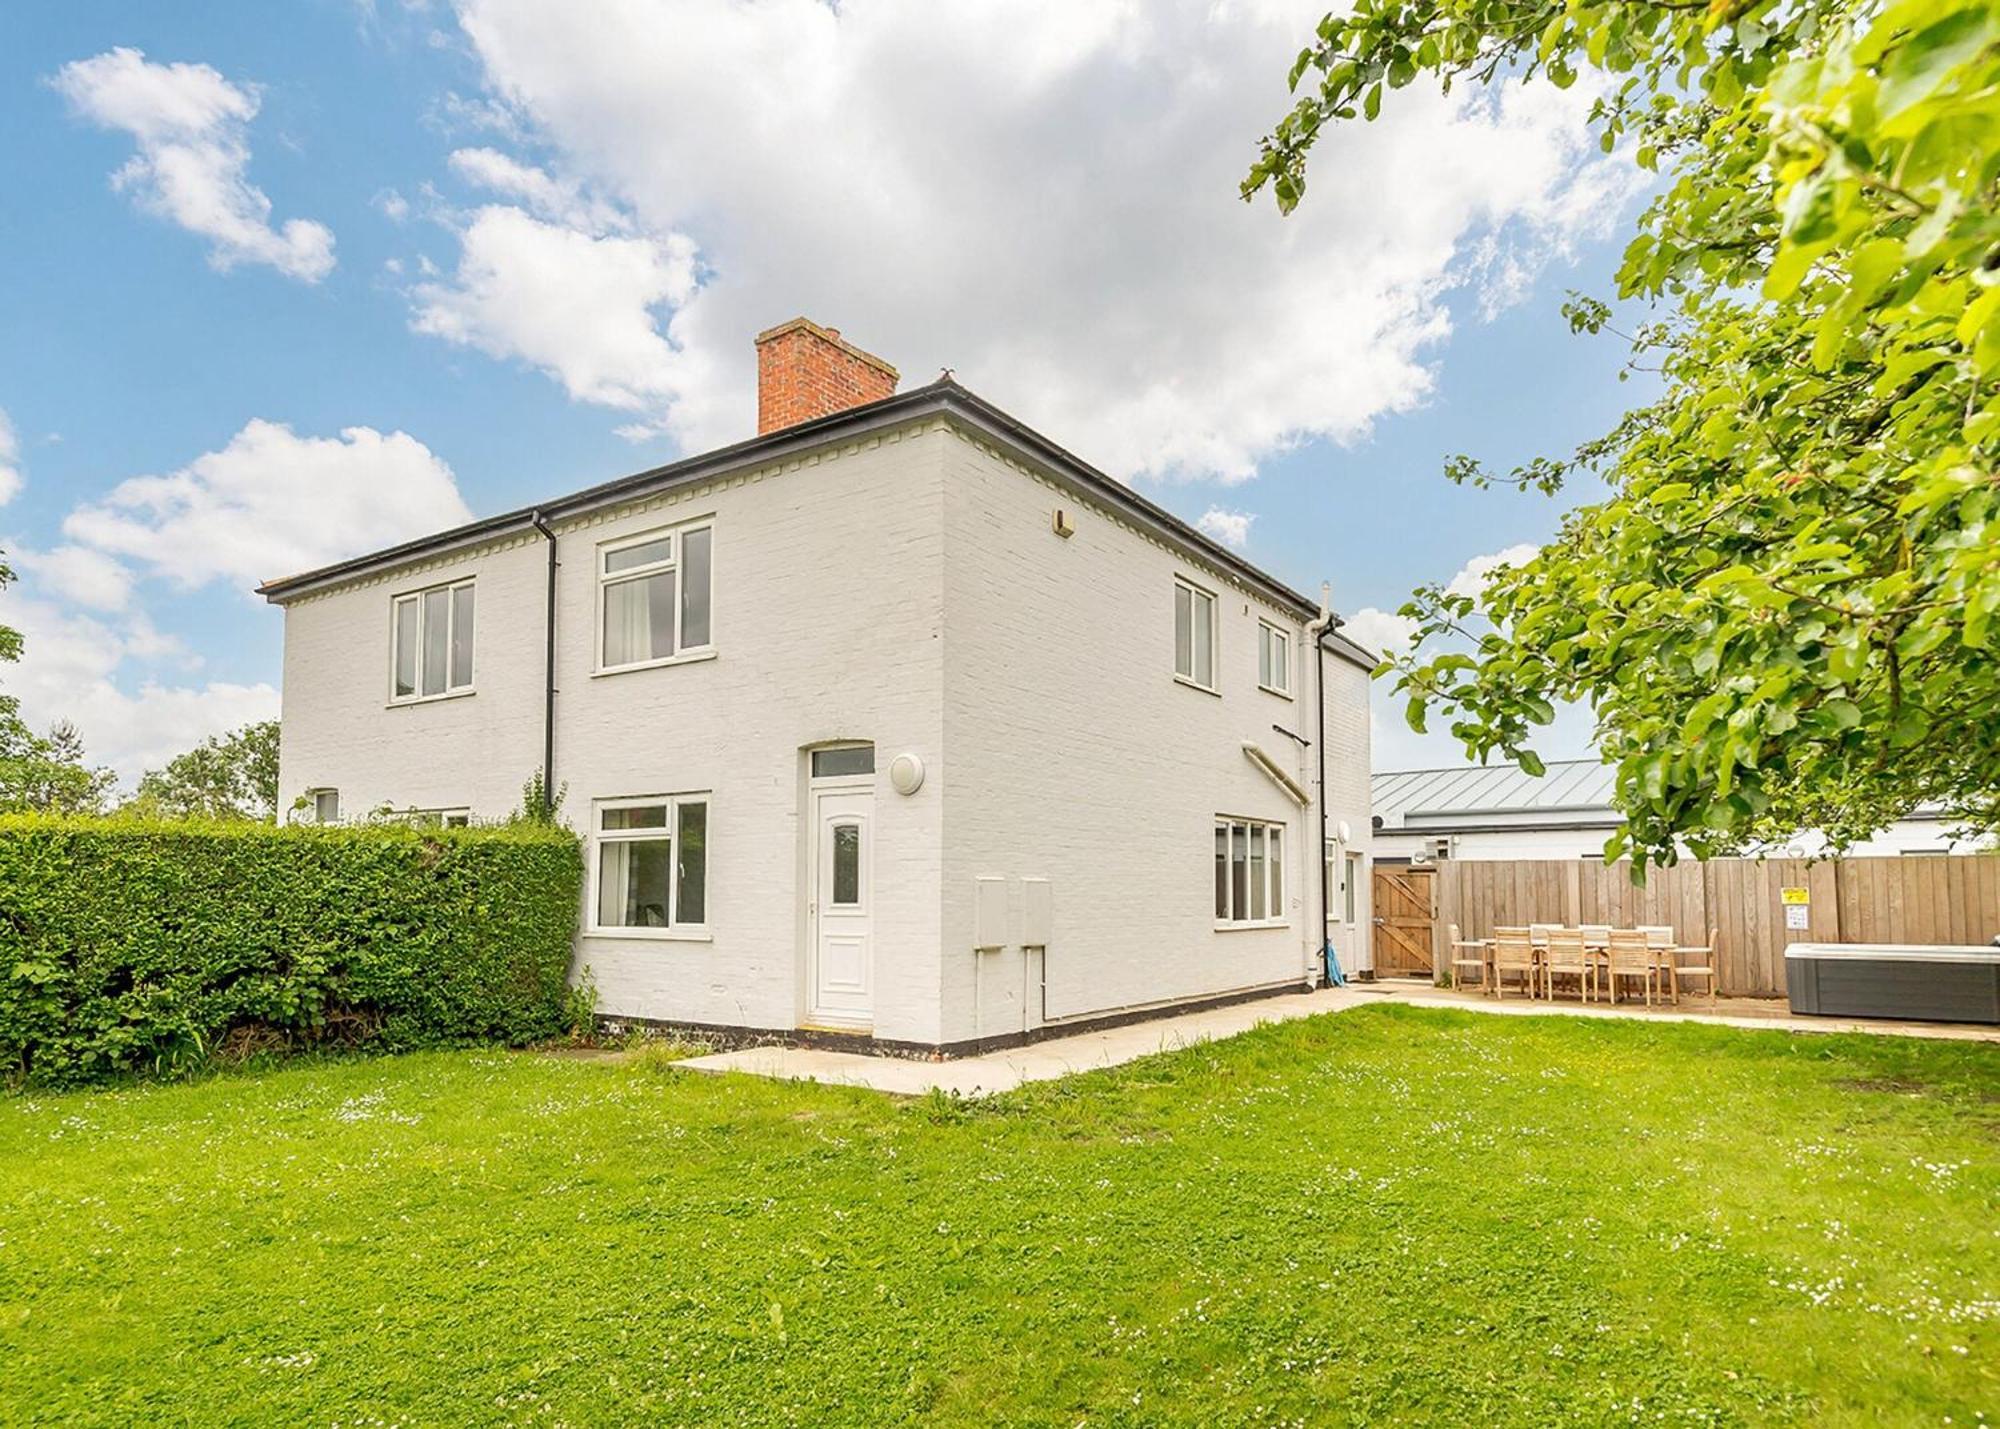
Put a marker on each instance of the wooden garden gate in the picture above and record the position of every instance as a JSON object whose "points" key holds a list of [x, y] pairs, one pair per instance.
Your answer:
{"points": [[1404, 913]]}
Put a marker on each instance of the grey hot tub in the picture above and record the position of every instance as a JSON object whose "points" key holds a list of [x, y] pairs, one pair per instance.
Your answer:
{"points": [[1906, 980]]}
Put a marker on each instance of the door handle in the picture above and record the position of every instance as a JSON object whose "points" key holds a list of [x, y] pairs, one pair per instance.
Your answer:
{"points": [[1378, 922]]}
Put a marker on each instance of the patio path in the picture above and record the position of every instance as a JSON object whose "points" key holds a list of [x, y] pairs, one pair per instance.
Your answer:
{"points": [[1062, 1056]]}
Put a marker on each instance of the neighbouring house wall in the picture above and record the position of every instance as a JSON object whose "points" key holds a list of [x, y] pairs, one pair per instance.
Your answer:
{"points": [[827, 610], [474, 751], [1077, 757]]}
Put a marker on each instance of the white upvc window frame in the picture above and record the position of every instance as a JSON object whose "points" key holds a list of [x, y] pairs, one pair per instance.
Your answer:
{"points": [[319, 814], [417, 599], [1274, 658], [1196, 596], [673, 564], [1256, 838], [456, 817], [674, 930]]}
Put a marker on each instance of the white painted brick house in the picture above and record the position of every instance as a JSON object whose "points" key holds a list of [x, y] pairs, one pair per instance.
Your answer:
{"points": [[897, 721]]}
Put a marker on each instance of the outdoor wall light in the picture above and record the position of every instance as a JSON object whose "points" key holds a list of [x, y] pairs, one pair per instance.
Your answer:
{"points": [[906, 773]]}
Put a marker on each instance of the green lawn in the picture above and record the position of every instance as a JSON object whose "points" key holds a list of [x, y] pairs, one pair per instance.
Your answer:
{"points": [[1391, 1213]]}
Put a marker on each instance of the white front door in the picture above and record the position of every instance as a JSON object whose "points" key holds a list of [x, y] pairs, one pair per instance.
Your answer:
{"points": [[842, 977]]}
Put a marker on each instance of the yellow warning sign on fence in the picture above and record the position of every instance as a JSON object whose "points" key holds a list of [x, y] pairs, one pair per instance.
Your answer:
{"points": [[1794, 896]]}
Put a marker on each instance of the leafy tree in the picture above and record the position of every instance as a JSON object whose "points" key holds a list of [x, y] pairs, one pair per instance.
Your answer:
{"points": [[231, 776], [42, 772], [1784, 615], [47, 773]]}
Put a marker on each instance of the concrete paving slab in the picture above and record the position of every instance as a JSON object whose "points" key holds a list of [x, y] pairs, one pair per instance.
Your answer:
{"points": [[1063, 1056]]}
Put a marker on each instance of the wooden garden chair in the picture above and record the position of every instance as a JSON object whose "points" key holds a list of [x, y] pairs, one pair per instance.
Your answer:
{"points": [[1566, 956], [1513, 953], [1660, 938], [1628, 956], [1703, 969], [1464, 955]]}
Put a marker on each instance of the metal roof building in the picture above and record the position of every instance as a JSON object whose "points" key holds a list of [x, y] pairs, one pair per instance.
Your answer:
{"points": [[1498, 811]]}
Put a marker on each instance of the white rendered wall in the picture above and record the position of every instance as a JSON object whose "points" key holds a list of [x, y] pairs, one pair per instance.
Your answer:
{"points": [[827, 608], [1077, 757]]}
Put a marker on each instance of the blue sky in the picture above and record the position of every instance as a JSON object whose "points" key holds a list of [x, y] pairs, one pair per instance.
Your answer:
{"points": [[239, 234]]}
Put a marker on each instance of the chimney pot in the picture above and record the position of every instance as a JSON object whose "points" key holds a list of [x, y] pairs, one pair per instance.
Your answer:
{"points": [[806, 371]]}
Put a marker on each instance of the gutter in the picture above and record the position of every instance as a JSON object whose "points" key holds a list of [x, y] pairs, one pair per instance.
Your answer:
{"points": [[541, 524]]}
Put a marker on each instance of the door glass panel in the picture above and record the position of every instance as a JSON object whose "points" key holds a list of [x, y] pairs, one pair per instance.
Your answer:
{"points": [[847, 865], [691, 878], [854, 759], [694, 589], [437, 633]]}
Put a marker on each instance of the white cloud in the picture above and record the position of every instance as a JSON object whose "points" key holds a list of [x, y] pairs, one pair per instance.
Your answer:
{"points": [[392, 205], [1232, 528], [1473, 575], [558, 200], [71, 668], [581, 308], [11, 480], [190, 125], [272, 503], [1057, 222], [1381, 631], [80, 575]]}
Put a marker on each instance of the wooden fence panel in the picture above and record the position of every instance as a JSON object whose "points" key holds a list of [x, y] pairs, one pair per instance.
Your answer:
{"points": [[1937, 899]]}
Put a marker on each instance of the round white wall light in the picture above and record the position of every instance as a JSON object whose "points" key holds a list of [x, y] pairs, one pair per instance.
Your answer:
{"points": [[1340, 831], [906, 773]]}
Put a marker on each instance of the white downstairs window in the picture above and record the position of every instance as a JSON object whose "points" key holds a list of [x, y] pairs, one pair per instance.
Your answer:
{"points": [[1249, 873], [651, 866], [653, 598], [431, 639]]}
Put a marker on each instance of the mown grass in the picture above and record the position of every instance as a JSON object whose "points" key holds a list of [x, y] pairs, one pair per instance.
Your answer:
{"points": [[1389, 1214]]}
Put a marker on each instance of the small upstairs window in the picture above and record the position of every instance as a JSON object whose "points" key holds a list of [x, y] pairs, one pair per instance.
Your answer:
{"points": [[1194, 635], [1274, 658], [653, 591], [432, 643]]}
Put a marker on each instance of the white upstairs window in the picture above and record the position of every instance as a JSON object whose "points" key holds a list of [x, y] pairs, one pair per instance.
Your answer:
{"points": [[1274, 658], [431, 640], [653, 598], [1194, 635]]}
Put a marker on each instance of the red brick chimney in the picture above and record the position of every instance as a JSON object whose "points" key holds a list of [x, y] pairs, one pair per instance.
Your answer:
{"points": [[806, 371]]}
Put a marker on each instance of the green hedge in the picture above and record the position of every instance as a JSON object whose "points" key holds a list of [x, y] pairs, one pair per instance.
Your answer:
{"points": [[129, 946]]}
